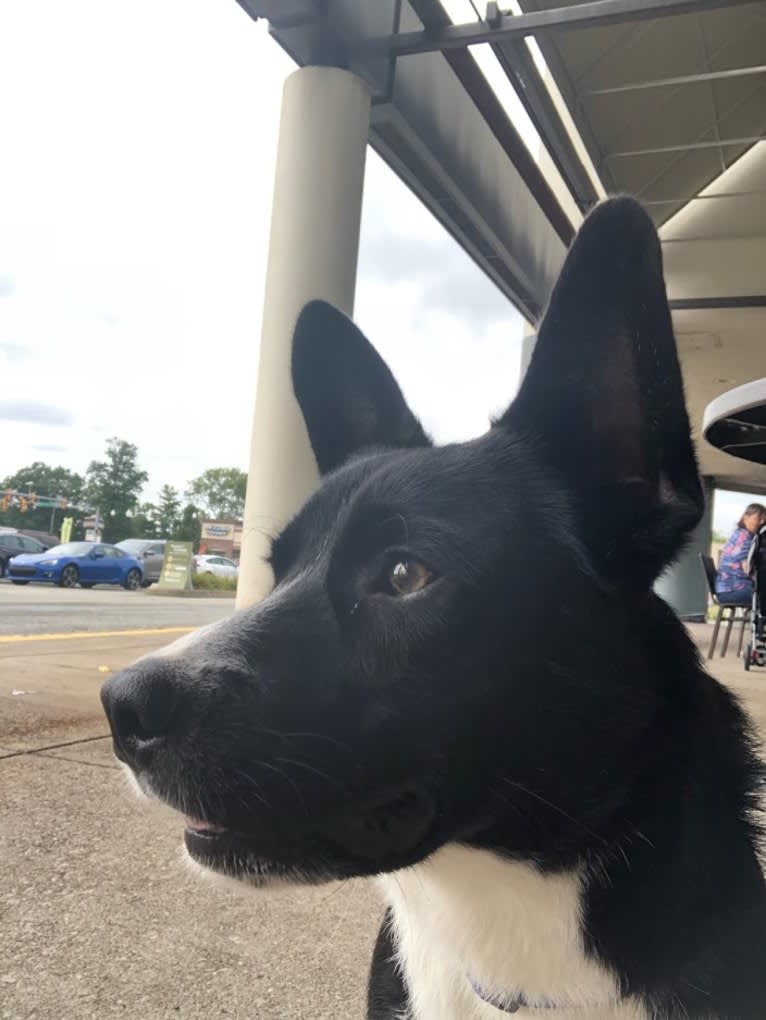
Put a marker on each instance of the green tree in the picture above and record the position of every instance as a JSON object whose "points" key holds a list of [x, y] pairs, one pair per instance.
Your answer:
{"points": [[143, 523], [190, 525], [220, 492], [114, 486], [168, 512], [45, 480]]}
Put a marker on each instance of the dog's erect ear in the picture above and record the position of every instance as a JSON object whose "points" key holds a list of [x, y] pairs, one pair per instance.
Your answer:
{"points": [[346, 391], [604, 399]]}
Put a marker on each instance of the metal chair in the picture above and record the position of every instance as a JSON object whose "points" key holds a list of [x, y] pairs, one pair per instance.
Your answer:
{"points": [[722, 616]]}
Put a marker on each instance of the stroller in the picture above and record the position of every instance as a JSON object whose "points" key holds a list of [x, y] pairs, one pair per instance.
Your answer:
{"points": [[755, 652]]}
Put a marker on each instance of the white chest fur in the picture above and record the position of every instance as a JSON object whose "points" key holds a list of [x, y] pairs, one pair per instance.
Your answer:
{"points": [[507, 925]]}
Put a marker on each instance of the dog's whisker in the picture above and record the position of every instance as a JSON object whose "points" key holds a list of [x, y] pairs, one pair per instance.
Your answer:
{"points": [[311, 768], [619, 849], [645, 838], [258, 793], [340, 887], [287, 779], [300, 734], [554, 807]]}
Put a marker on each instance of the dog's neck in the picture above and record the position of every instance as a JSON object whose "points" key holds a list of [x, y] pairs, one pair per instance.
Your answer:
{"points": [[468, 919]]}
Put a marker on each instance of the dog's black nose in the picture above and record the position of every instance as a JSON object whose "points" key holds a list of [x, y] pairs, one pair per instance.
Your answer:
{"points": [[142, 705]]}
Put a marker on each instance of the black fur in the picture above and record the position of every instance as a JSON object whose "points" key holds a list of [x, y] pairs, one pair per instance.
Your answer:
{"points": [[334, 367], [535, 699], [386, 994]]}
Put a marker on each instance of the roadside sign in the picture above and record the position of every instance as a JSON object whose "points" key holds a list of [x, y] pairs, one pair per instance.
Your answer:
{"points": [[94, 526], [177, 566]]}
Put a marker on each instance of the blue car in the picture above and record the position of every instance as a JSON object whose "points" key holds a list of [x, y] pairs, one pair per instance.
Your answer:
{"points": [[83, 563]]}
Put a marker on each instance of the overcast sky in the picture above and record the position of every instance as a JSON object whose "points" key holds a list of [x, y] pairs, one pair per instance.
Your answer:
{"points": [[135, 196], [135, 188]]}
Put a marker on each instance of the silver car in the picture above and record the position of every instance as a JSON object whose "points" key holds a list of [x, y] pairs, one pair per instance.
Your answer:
{"points": [[150, 552], [213, 563]]}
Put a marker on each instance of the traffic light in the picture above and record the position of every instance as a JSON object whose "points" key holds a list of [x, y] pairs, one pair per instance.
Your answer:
{"points": [[23, 504], [32, 500]]}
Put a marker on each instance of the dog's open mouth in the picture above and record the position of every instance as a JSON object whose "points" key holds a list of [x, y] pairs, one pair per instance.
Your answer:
{"points": [[228, 852], [216, 846], [388, 828], [196, 828]]}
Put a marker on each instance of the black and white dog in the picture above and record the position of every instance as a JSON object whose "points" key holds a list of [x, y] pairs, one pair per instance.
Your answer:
{"points": [[463, 683]]}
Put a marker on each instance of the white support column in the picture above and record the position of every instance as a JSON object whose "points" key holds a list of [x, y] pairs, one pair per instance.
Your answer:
{"points": [[312, 254], [528, 341]]}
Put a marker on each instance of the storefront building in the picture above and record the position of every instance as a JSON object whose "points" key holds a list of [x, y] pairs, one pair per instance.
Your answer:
{"points": [[221, 538]]}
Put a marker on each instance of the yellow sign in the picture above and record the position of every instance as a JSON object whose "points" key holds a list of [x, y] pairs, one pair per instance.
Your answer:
{"points": [[66, 529]]}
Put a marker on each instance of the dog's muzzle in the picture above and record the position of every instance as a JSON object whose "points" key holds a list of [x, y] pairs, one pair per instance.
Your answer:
{"points": [[230, 777]]}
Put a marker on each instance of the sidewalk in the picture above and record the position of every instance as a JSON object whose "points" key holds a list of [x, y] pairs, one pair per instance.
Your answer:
{"points": [[750, 686]]}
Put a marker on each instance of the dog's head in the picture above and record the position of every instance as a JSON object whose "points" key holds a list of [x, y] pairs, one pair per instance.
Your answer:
{"points": [[452, 650]]}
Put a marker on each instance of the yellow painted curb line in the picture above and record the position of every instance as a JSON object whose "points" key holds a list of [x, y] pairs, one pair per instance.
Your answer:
{"points": [[8, 639]]}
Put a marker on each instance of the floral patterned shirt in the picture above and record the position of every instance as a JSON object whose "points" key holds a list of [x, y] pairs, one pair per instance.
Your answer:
{"points": [[731, 576]]}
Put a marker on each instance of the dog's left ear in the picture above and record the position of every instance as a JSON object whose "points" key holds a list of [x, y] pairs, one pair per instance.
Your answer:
{"points": [[348, 396], [603, 398]]}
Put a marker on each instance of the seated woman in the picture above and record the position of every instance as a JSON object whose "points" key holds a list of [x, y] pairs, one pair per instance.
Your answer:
{"points": [[733, 586]]}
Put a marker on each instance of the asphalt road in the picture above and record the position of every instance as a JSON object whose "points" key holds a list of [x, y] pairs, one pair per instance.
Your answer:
{"points": [[46, 609]]}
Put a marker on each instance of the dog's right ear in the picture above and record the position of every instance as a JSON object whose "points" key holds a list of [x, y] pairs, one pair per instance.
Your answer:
{"points": [[348, 396]]}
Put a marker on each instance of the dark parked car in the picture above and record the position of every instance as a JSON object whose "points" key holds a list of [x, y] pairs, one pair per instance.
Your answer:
{"points": [[46, 540], [73, 563], [13, 543], [150, 552]]}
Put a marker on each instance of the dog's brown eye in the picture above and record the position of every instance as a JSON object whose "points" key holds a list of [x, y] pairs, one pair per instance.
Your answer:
{"points": [[408, 577]]}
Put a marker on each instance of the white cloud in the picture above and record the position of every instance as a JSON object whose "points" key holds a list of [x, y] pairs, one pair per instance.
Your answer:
{"points": [[34, 411]]}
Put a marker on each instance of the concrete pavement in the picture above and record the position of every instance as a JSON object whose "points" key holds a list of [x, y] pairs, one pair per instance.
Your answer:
{"points": [[99, 917], [101, 920]]}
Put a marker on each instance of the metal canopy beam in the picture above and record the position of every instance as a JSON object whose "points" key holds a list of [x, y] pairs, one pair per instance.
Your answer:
{"points": [[544, 117], [597, 13], [686, 146], [438, 124], [694, 304], [683, 79], [718, 196], [517, 62]]}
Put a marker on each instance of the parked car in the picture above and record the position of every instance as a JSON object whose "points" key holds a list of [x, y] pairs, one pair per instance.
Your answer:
{"points": [[47, 541], [150, 552], [12, 543], [221, 566], [83, 563]]}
